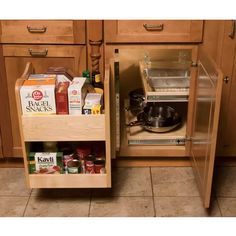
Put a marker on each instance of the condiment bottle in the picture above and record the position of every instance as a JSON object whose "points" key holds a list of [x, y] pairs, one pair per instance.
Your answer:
{"points": [[98, 85]]}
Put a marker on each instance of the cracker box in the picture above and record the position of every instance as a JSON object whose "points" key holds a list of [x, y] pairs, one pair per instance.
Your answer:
{"points": [[46, 163], [76, 95], [38, 96]]}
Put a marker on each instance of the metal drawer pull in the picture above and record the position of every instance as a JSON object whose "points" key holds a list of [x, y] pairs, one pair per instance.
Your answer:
{"points": [[36, 30], [38, 54], [232, 33], [148, 27]]}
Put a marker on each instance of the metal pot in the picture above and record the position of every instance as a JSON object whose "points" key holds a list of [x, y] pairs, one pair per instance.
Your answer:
{"points": [[157, 118], [136, 101]]}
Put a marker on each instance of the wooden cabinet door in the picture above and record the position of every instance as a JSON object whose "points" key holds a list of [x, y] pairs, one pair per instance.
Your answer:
{"points": [[42, 57], [206, 116], [227, 134]]}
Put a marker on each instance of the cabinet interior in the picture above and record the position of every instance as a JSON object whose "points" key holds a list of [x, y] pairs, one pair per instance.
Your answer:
{"points": [[135, 141]]}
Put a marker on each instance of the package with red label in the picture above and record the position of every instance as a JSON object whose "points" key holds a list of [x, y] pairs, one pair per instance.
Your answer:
{"points": [[62, 98], [76, 95], [38, 96]]}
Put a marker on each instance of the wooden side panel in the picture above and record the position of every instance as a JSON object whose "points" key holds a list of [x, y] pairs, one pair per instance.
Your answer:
{"points": [[205, 127], [227, 137], [1, 153], [107, 124]]}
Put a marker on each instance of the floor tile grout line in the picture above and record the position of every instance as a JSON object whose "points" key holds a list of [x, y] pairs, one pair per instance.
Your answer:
{"points": [[153, 200], [27, 203], [90, 201], [217, 201]]}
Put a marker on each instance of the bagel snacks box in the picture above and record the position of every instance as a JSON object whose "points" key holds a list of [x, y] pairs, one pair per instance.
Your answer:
{"points": [[38, 95]]}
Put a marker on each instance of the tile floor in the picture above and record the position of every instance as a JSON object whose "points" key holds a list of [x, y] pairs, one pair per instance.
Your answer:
{"points": [[136, 192]]}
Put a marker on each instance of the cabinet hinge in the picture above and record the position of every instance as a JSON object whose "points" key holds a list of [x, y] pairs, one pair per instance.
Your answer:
{"points": [[194, 64]]}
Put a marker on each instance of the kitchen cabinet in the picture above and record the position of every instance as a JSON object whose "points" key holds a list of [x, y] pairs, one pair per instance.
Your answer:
{"points": [[65, 128], [42, 56], [227, 136], [199, 106], [149, 31]]}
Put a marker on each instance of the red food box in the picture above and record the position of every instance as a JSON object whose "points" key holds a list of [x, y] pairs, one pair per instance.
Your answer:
{"points": [[62, 98]]}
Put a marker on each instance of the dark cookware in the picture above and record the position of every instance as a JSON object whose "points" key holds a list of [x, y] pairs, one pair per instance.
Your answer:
{"points": [[136, 101], [157, 118]]}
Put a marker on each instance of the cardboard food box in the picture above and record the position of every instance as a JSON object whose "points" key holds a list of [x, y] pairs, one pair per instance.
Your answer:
{"points": [[41, 76], [89, 109], [38, 96], [62, 98], [46, 163], [76, 95], [93, 99]]}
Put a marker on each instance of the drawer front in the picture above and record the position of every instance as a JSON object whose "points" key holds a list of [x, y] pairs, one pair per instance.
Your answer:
{"points": [[43, 31], [64, 128], [124, 31]]}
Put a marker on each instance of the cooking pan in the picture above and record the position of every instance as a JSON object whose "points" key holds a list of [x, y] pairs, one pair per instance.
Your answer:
{"points": [[157, 118], [136, 101]]}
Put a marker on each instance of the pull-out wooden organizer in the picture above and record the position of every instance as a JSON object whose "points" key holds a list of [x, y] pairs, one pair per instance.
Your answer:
{"points": [[65, 128]]}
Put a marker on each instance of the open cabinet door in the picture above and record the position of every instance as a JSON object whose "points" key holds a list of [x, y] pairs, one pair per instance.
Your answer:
{"points": [[205, 123]]}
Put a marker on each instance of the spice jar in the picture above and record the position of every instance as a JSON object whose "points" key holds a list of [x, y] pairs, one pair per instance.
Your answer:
{"points": [[89, 164], [99, 166], [74, 166]]}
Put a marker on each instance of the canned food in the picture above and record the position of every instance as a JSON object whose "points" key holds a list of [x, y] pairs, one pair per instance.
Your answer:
{"points": [[67, 158], [99, 166], [83, 151], [74, 166], [89, 164]]}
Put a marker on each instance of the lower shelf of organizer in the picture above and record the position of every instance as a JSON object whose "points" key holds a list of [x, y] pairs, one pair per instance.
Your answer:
{"points": [[69, 181]]}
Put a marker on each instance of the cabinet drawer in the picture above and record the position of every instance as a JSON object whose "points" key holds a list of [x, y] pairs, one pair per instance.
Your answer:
{"points": [[43, 31], [124, 31]]}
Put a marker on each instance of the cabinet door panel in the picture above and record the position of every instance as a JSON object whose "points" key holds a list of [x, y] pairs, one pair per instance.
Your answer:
{"points": [[16, 57], [205, 127]]}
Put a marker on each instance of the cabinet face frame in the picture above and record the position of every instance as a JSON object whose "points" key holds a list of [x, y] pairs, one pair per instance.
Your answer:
{"points": [[134, 31], [20, 53]]}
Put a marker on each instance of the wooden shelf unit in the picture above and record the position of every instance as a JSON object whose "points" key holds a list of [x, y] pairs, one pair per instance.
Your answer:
{"points": [[65, 128]]}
